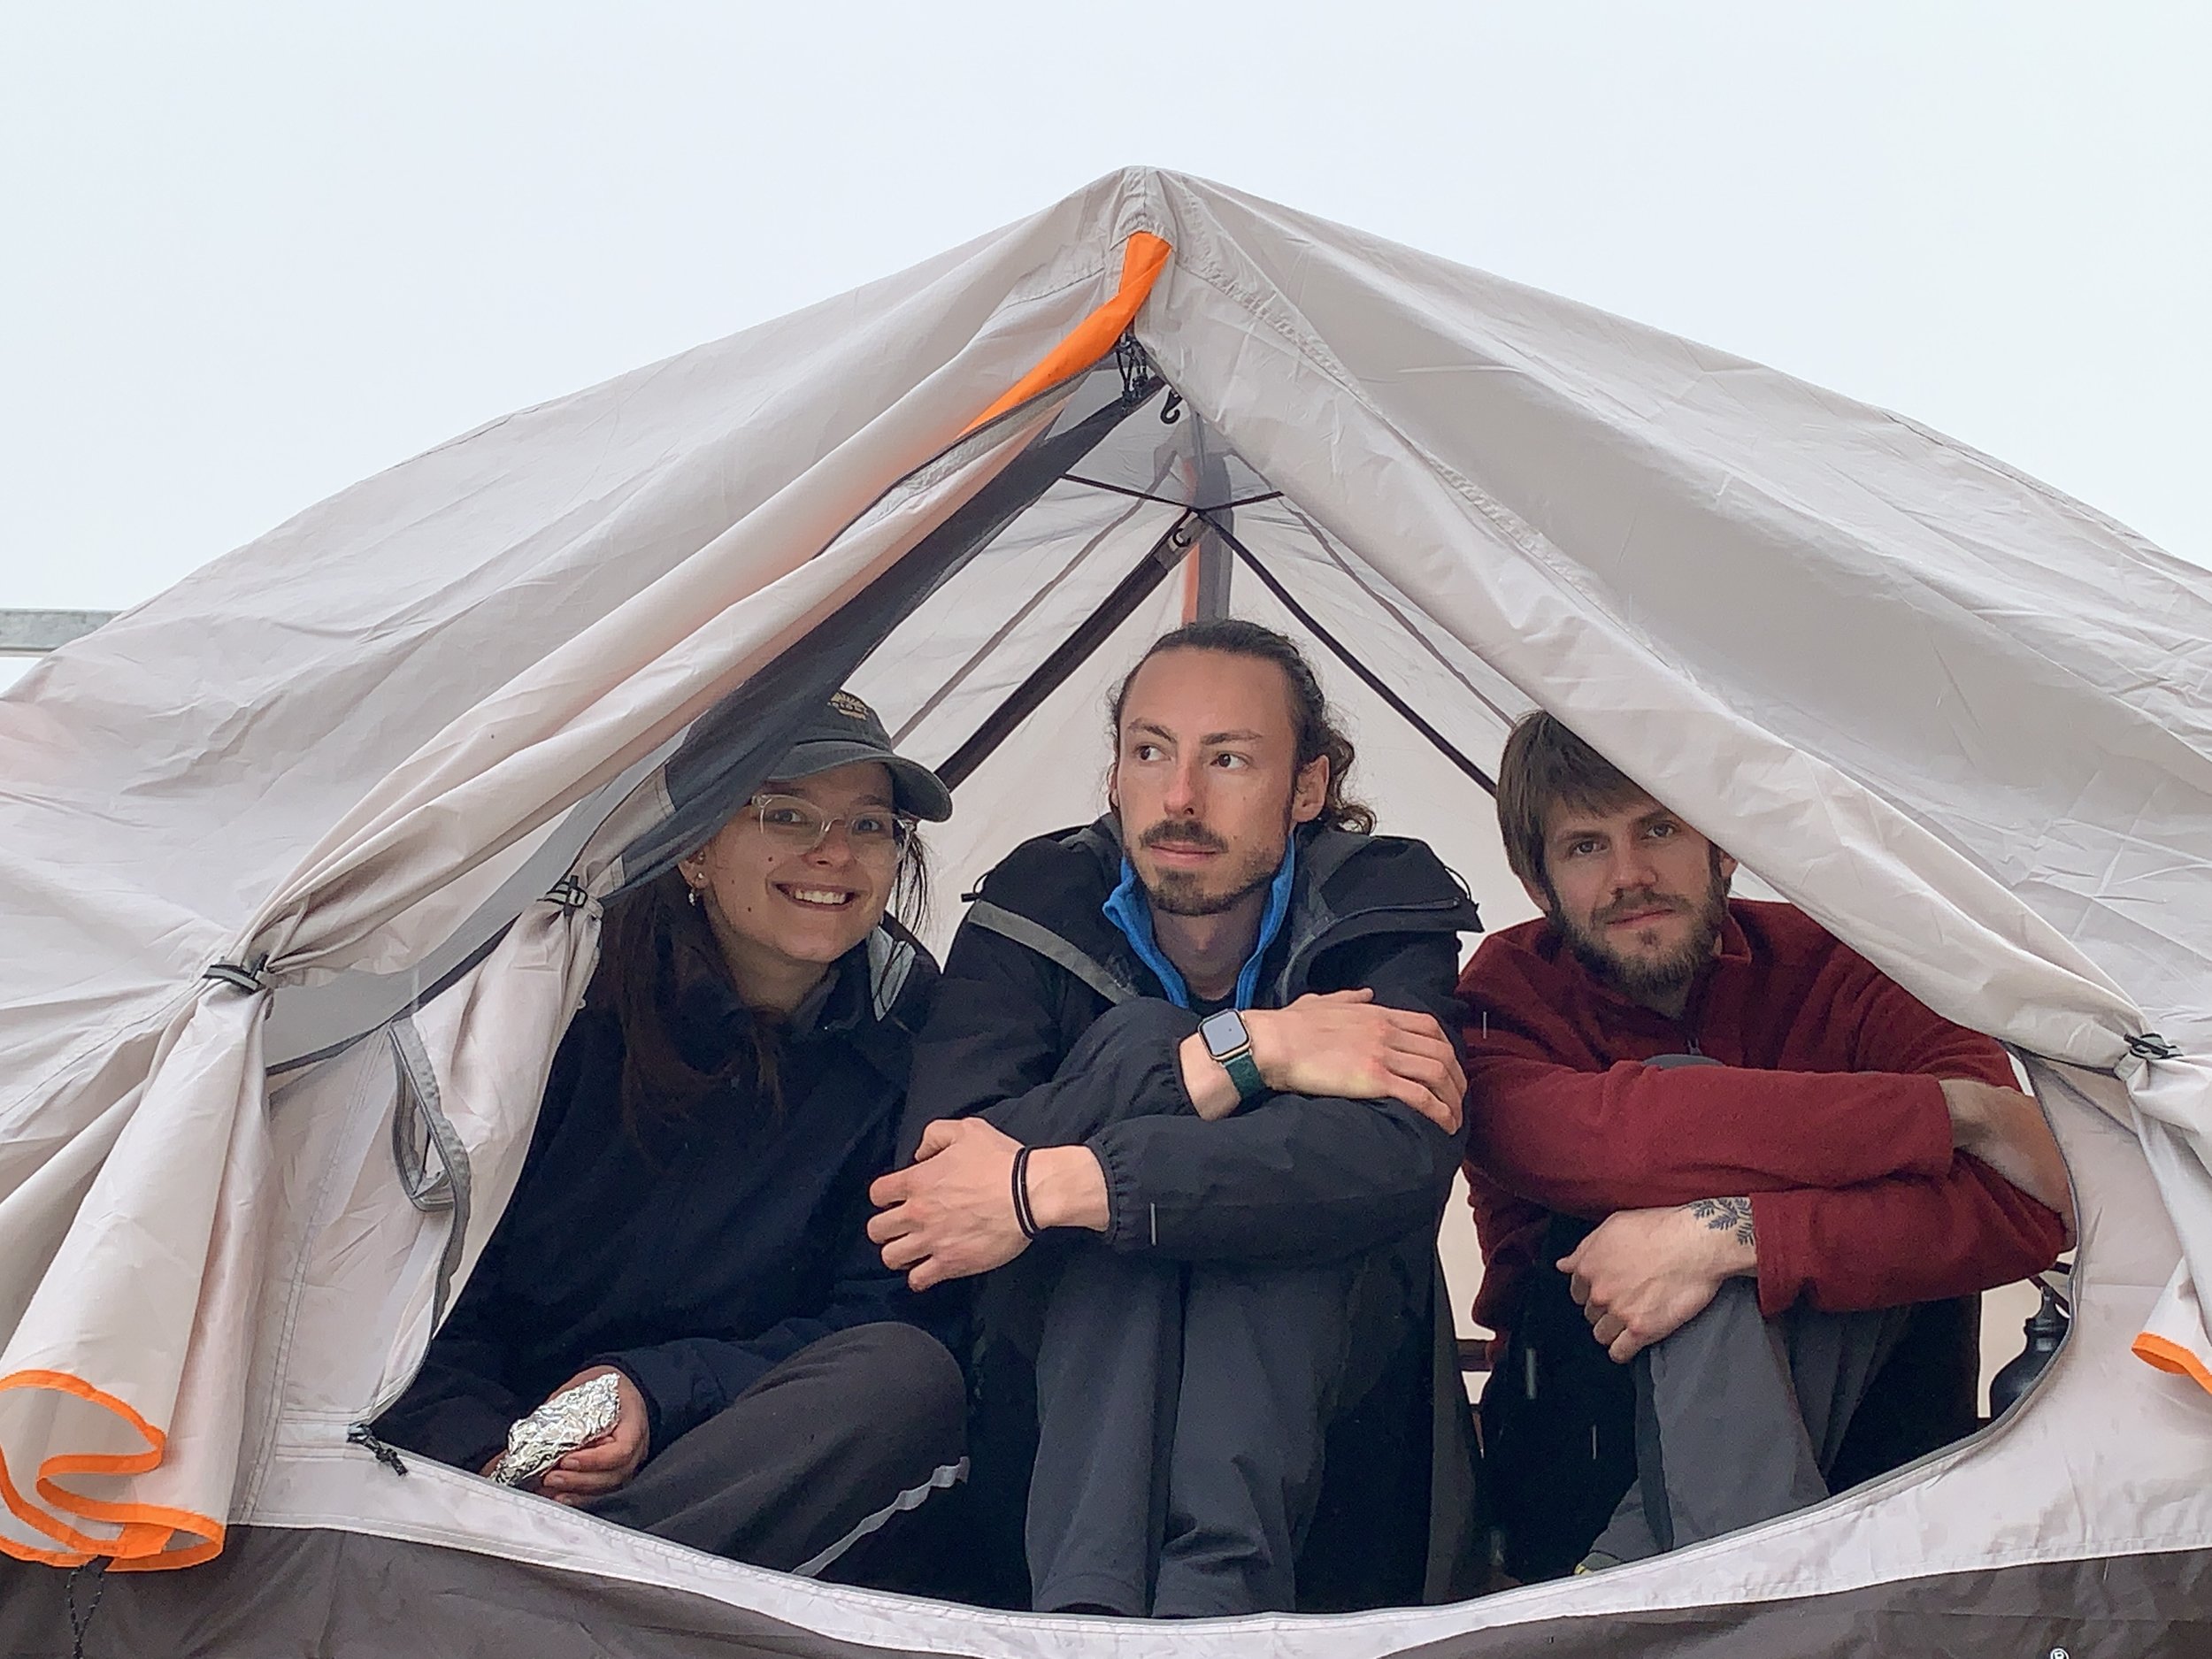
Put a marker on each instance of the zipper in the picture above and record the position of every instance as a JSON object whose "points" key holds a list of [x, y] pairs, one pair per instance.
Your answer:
{"points": [[1694, 1014], [361, 1435]]}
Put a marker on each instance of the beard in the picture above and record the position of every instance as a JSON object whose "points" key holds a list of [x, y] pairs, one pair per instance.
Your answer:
{"points": [[1640, 977], [1196, 893]]}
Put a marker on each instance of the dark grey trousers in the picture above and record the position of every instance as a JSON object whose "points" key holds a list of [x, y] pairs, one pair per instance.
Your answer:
{"points": [[1738, 1417], [824, 1450], [1181, 1415]]}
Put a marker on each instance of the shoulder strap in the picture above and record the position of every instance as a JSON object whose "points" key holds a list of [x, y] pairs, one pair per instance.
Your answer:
{"points": [[998, 920], [890, 959]]}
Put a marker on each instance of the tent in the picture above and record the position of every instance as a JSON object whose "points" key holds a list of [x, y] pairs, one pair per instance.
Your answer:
{"points": [[300, 863]]}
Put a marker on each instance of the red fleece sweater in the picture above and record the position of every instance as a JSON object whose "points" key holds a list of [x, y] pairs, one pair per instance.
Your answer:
{"points": [[1825, 1110]]}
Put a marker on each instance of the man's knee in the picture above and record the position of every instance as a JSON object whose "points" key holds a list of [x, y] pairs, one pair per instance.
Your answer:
{"points": [[1721, 1332]]}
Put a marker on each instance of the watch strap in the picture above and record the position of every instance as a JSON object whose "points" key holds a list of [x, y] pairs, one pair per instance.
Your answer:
{"points": [[1244, 1072]]}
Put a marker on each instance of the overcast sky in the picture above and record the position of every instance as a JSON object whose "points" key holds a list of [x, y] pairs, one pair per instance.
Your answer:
{"points": [[256, 253]]}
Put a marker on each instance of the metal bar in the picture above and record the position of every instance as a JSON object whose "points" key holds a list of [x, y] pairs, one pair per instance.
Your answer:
{"points": [[34, 633], [1211, 562]]}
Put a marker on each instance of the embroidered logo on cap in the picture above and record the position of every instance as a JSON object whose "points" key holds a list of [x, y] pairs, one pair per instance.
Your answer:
{"points": [[851, 707]]}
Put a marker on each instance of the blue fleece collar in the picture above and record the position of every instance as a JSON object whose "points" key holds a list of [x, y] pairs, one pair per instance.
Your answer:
{"points": [[1127, 910]]}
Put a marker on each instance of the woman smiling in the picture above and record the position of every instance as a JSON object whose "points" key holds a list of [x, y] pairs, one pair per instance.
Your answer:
{"points": [[689, 1217]]}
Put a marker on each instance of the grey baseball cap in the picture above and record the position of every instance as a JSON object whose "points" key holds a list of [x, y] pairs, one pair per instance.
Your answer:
{"points": [[846, 731]]}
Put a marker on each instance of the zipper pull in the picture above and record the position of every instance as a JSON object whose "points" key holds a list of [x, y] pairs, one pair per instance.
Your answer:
{"points": [[387, 1456]]}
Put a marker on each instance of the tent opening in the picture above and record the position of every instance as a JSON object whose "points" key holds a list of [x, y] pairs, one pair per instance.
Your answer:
{"points": [[996, 667]]}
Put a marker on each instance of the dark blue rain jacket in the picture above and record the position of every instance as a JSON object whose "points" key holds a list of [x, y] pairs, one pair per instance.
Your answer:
{"points": [[695, 1256]]}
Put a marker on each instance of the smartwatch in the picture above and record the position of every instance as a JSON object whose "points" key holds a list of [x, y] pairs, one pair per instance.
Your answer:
{"points": [[1231, 1044]]}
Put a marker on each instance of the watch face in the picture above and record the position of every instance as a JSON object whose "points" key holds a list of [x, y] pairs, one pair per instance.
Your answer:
{"points": [[1224, 1032]]}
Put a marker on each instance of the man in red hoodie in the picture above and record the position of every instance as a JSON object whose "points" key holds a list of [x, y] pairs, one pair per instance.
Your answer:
{"points": [[1736, 1190]]}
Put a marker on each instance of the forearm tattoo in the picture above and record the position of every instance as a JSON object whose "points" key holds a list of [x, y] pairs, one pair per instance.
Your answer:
{"points": [[1724, 1215]]}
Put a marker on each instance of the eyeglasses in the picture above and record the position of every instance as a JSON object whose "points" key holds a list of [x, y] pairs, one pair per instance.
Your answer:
{"points": [[799, 826]]}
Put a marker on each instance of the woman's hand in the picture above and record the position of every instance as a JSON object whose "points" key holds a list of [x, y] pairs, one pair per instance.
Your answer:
{"points": [[604, 1465]]}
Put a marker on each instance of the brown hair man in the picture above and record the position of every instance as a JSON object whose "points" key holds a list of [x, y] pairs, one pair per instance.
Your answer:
{"points": [[1735, 1188]]}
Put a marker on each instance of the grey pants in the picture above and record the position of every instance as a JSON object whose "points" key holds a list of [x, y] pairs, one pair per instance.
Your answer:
{"points": [[1739, 1419], [823, 1451], [1181, 1415]]}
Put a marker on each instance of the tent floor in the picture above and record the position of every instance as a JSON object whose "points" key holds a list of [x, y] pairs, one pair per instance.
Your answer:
{"points": [[344, 1595]]}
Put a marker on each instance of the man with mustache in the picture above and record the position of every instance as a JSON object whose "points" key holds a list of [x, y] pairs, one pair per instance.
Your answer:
{"points": [[1761, 1176], [1190, 1098]]}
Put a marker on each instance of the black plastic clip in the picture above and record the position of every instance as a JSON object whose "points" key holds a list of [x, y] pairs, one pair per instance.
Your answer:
{"points": [[2151, 1045], [569, 893], [251, 975], [1139, 378], [1171, 409]]}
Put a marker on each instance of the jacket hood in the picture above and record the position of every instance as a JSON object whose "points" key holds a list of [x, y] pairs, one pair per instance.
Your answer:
{"points": [[1347, 885]]}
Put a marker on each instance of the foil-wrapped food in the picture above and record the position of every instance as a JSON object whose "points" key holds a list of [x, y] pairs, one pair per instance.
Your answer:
{"points": [[573, 1417]]}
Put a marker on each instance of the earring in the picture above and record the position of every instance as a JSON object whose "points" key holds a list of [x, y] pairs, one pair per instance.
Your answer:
{"points": [[694, 892]]}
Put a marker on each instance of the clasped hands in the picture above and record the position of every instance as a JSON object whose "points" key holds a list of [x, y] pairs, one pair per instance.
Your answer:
{"points": [[951, 1213]]}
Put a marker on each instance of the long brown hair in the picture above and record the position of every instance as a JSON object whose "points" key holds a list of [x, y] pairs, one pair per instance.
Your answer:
{"points": [[657, 951]]}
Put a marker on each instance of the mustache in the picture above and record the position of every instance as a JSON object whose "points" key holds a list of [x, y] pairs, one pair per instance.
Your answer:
{"points": [[1178, 832], [1634, 903]]}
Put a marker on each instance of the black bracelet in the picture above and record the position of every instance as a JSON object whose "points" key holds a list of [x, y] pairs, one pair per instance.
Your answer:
{"points": [[1025, 1217]]}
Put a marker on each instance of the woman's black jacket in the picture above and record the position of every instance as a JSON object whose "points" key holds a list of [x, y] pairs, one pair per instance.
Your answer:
{"points": [[693, 1258]]}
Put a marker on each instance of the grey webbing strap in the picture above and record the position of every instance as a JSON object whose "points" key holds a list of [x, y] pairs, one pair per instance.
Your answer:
{"points": [[1052, 947], [448, 1187], [889, 963]]}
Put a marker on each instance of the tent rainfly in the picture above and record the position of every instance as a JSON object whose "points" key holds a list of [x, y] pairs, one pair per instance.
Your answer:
{"points": [[301, 866]]}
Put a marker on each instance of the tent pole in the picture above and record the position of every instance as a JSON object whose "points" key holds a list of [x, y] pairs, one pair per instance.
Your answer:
{"points": [[1367, 676], [1073, 652], [1206, 593]]}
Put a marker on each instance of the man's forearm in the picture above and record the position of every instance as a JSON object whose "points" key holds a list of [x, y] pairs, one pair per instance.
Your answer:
{"points": [[1891, 1242], [1067, 1188], [2006, 1130], [1639, 1137], [1212, 1091], [1735, 1250]]}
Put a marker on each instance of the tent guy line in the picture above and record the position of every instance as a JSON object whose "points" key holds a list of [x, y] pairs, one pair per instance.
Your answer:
{"points": [[1168, 501], [1373, 681]]}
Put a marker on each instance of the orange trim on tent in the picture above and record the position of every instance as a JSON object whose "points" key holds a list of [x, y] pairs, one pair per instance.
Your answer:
{"points": [[1143, 260], [171, 1559], [2169, 1355], [145, 1531]]}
